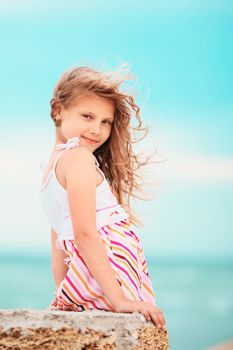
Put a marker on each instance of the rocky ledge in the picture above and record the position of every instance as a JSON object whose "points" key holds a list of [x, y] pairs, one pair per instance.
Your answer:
{"points": [[23, 329]]}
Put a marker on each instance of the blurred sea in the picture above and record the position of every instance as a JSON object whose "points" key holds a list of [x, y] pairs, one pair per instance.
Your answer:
{"points": [[196, 296]]}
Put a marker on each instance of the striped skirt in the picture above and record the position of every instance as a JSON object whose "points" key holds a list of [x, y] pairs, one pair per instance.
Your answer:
{"points": [[79, 291]]}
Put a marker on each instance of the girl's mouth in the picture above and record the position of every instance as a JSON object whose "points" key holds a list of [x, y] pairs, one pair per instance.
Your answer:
{"points": [[90, 141]]}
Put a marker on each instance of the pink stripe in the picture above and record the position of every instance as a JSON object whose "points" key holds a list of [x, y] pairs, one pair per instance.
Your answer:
{"points": [[73, 286], [125, 273], [81, 266], [116, 266], [88, 279], [96, 305], [81, 296], [122, 245], [111, 206], [106, 232], [132, 233], [129, 263], [128, 234], [89, 295], [76, 285]]}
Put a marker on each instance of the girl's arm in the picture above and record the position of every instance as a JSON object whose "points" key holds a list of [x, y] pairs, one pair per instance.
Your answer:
{"points": [[80, 173], [59, 268]]}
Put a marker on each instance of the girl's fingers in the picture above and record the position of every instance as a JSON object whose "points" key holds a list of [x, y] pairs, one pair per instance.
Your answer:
{"points": [[160, 316], [145, 313], [160, 320], [157, 316]]}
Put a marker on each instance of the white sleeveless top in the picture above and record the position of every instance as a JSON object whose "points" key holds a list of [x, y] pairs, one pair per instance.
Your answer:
{"points": [[55, 202]]}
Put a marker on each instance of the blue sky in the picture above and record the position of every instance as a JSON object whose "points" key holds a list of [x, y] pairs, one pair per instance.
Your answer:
{"points": [[181, 53]]}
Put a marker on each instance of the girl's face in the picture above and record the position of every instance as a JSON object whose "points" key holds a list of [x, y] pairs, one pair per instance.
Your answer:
{"points": [[90, 118]]}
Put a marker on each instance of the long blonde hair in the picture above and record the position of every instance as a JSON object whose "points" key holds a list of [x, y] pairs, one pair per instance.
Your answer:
{"points": [[116, 156]]}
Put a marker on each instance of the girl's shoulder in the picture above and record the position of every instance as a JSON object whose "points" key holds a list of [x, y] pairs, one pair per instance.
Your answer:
{"points": [[74, 164], [76, 157], [78, 152]]}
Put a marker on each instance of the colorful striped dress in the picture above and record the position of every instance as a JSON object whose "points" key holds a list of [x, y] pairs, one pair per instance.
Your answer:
{"points": [[79, 291]]}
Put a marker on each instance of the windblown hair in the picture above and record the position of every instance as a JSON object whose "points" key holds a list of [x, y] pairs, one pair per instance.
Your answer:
{"points": [[116, 156]]}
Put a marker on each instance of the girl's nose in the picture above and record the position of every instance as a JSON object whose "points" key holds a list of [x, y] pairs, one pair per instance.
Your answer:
{"points": [[95, 129]]}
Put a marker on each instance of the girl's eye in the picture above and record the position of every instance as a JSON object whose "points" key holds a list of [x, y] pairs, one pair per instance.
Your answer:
{"points": [[89, 117]]}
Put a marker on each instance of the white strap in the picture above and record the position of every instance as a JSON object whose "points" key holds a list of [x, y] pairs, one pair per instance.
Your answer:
{"points": [[70, 143]]}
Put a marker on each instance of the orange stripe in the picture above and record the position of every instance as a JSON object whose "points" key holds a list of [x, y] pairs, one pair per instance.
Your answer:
{"points": [[130, 291], [119, 234], [122, 281], [148, 289], [89, 290], [124, 225], [117, 248], [134, 245], [63, 303], [120, 260], [124, 252], [123, 235], [129, 227], [106, 244], [115, 230], [74, 298], [126, 286]]}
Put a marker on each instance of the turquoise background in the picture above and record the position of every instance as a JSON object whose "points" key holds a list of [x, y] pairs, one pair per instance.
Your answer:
{"points": [[181, 54]]}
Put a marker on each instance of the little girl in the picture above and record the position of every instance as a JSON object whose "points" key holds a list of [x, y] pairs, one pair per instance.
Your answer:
{"points": [[97, 257]]}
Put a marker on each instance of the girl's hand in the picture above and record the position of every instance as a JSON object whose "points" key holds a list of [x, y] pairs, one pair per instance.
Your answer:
{"points": [[149, 310]]}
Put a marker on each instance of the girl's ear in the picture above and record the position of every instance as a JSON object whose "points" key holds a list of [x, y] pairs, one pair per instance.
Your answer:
{"points": [[57, 122], [58, 110]]}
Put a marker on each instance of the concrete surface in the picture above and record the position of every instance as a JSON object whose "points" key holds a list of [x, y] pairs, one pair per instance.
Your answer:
{"points": [[22, 329]]}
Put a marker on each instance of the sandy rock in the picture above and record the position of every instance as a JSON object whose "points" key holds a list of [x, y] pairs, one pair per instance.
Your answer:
{"points": [[23, 329]]}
